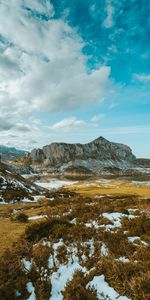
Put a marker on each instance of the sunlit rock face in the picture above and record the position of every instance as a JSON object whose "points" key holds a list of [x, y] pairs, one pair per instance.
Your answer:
{"points": [[99, 150]]}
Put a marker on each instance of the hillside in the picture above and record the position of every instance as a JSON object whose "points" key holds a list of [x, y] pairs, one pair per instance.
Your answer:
{"points": [[14, 187]]}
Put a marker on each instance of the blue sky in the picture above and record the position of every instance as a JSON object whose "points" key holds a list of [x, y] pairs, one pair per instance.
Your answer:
{"points": [[73, 70]]}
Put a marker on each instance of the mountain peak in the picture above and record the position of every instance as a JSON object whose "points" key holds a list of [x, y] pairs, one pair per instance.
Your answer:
{"points": [[100, 139]]}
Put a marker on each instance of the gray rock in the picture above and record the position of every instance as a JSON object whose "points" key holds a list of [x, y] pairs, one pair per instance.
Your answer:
{"points": [[99, 151]]}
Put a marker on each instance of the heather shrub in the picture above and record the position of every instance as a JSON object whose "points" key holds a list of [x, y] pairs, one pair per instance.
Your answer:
{"points": [[56, 228], [19, 217], [76, 289]]}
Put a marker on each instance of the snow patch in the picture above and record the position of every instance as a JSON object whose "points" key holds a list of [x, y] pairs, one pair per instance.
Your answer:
{"points": [[54, 184], [31, 290], [37, 217], [115, 218], [103, 289], [104, 250]]}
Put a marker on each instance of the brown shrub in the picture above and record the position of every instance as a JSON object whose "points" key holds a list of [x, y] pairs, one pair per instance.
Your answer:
{"points": [[56, 228], [137, 226], [19, 217], [12, 276], [76, 289]]}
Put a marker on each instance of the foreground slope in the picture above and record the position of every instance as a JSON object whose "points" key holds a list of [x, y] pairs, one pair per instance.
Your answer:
{"points": [[96, 239], [14, 187]]}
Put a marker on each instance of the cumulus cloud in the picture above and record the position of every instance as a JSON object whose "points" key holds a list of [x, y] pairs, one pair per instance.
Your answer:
{"points": [[40, 7], [42, 65], [67, 124]]}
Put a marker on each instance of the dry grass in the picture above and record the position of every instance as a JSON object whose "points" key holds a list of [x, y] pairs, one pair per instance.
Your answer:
{"points": [[129, 278], [116, 187], [10, 232]]}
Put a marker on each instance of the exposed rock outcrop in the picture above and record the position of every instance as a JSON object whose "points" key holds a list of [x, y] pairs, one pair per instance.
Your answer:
{"points": [[94, 155], [142, 162], [14, 187]]}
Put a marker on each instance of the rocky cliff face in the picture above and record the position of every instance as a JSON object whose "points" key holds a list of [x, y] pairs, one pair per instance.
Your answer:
{"points": [[98, 152]]}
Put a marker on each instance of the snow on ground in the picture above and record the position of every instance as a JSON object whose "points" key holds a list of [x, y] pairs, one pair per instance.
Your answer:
{"points": [[67, 213], [103, 289], [54, 184], [74, 221], [62, 276], [29, 175], [92, 224], [9, 202], [31, 290], [27, 264], [90, 244], [123, 259], [104, 250], [26, 200], [132, 239], [37, 217], [115, 218], [64, 272]]}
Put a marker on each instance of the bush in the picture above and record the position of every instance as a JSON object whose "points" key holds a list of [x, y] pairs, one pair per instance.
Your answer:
{"points": [[19, 217], [12, 276], [55, 228], [137, 226], [76, 289]]}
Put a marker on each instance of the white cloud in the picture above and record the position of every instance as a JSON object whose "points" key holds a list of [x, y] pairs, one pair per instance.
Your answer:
{"points": [[44, 7], [144, 78], [97, 118], [43, 70], [42, 66], [110, 10], [67, 124]]}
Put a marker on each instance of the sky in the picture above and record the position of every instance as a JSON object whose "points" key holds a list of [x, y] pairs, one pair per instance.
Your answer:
{"points": [[74, 70]]}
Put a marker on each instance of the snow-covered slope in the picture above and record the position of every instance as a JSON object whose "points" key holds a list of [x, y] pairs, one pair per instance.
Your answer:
{"points": [[13, 186]]}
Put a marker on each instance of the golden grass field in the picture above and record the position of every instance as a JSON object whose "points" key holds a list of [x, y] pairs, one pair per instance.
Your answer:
{"points": [[113, 187], [10, 231]]}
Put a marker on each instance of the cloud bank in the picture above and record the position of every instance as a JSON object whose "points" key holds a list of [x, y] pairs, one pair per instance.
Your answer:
{"points": [[42, 65]]}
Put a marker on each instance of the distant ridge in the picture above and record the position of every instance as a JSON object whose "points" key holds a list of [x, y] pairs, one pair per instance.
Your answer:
{"points": [[11, 153]]}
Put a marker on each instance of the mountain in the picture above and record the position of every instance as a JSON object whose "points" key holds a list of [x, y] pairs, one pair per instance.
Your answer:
{"points": [[11, 153], [93, 156]]}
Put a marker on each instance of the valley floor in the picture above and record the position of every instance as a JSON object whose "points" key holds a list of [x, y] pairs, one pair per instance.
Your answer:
{"points": [[89, 240]]}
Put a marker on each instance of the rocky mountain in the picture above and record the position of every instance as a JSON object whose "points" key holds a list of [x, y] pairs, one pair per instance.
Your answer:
{"points": [[11, 153], [142, 163], [94, 155]]}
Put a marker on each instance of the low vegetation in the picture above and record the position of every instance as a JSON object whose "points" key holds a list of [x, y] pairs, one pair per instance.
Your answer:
{"points": [[88, 233]]}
